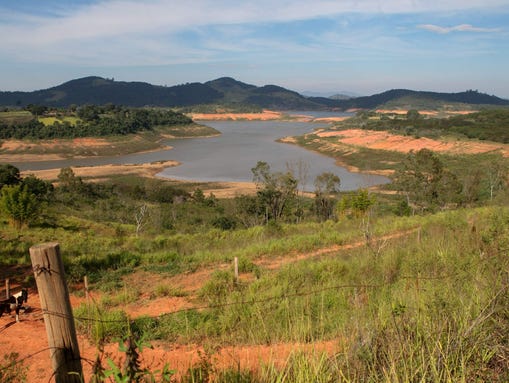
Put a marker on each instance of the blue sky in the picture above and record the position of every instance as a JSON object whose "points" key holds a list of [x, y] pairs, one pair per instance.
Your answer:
{"points": [[363, 46]]}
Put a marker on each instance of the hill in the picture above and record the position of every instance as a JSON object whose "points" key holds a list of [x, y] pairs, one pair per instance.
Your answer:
{"points": [[411, 99], [226, 90], [100, 91]]}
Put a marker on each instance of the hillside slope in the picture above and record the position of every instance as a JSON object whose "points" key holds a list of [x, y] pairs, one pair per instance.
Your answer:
{"points": [[226, 90]]}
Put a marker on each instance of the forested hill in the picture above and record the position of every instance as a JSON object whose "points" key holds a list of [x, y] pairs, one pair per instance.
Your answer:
{"points": [[225, 90], [402, 97], [100, 91]]}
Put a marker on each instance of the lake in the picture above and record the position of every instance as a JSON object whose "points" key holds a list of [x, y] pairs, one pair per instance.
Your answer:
{"points": [[232, 155]]}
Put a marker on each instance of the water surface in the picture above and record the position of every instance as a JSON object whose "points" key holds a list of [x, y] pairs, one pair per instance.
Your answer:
{"points": [[232, 155]]}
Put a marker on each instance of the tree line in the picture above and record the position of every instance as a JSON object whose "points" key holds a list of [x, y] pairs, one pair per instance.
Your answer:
{"points": [[91, 121], [423, 183], [488, 124]]}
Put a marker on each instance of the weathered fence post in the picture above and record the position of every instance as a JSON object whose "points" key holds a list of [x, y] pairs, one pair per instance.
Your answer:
{"points": [[7, 288], [85, 280], [236, 268], [56, 306]]}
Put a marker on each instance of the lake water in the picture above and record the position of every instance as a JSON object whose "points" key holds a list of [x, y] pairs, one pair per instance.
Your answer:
{"points": [[232, 155]]}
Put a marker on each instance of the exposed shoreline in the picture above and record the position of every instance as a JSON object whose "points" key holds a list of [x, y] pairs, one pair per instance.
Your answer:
{"points": [[99, 173]]}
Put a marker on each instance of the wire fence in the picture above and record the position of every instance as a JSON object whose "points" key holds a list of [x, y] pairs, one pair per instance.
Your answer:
{"points": [[417, 277]]}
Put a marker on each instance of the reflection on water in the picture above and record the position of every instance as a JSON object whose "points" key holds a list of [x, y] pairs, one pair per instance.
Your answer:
{"points": [[232, 155]]}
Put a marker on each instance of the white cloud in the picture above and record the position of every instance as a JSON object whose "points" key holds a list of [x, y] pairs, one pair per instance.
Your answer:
{"points": [[457, 28], [129, 32], [120, 17]]}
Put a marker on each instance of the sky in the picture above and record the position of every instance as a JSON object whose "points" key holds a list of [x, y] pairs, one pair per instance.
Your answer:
{"points": [[320, 46]]}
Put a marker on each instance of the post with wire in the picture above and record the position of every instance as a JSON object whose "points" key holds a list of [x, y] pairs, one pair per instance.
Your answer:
{"points": [[56, 307]]}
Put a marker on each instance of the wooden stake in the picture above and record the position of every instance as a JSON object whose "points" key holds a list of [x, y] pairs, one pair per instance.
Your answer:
{"points": [[56, 307], [7, 288], [85, 280], [236, 268]]}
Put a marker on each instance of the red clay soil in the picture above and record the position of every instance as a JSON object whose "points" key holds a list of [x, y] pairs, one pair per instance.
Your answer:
{"points": [[28, 337], [387, 141]]}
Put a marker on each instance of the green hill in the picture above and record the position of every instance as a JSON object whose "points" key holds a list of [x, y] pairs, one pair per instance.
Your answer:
{"points": [[227, 91], [411, 99]]}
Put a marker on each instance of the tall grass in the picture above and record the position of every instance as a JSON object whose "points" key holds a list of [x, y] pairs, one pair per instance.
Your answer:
{"points": [[428, 306]]}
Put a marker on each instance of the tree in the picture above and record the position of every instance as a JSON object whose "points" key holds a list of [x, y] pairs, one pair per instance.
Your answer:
{"points": [[413, 115], [426, 182], [497, 176], [36, 110], [9, 175], [139, 217], [326, 189], [357, 204], [69, 181], [275, 191], [19, 204], [36, 186]]}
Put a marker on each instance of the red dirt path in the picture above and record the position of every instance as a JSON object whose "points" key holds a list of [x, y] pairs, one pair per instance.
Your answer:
{"points": [[28, 338]]}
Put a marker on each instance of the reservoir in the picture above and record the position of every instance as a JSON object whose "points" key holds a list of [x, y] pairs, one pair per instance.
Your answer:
{"points": [[231, 156]]}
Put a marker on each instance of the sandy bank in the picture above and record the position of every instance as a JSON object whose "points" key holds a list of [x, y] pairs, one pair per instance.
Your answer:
{"points": [[266, 115], [104, 171], [387, 141]]}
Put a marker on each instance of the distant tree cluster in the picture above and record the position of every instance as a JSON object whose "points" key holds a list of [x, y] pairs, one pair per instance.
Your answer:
{"points": [[93, 121], [428, 185], [21, 198], [489, 124]]}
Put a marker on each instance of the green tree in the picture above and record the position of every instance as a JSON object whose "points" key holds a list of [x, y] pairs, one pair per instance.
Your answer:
{"points": [[40, 188], [357, 204], [426, 182], [413, 115], [19, 204], [9, 175], [275, 190], [326, 190], [69, 181]]}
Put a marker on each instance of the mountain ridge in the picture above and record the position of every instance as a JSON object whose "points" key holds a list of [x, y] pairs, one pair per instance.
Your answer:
{"points": [[224, 90]]}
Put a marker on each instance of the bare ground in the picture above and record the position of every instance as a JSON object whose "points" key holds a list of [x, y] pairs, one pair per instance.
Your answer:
{"points": [[29, 340], [388, 141]]}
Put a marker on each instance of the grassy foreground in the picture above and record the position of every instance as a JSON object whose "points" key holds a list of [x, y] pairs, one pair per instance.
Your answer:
{"points": [[427, 304]]}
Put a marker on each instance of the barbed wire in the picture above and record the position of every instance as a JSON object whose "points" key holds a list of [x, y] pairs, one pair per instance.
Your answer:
{"points": [[247, 302], [25, 358], [222, 305]]}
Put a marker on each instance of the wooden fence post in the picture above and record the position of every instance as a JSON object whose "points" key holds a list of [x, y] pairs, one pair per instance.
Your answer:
{"points": [[7, 288], [56, 306], [85, 280], [236, 268]]}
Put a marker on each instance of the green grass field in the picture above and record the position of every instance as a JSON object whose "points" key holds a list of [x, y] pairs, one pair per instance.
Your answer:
{"points": [[421, 298], [16, 116], [51, 120]]}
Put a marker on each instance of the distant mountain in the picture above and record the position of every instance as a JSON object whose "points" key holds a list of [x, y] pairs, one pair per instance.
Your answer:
{"points": [[99, 91], [345, 95], [414, 99], [225, 90]]}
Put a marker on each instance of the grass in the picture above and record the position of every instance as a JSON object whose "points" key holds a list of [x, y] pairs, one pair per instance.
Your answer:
{"points": [[188, 131], [112, 145], [427, 307], [15, 116], [51, 120]]}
